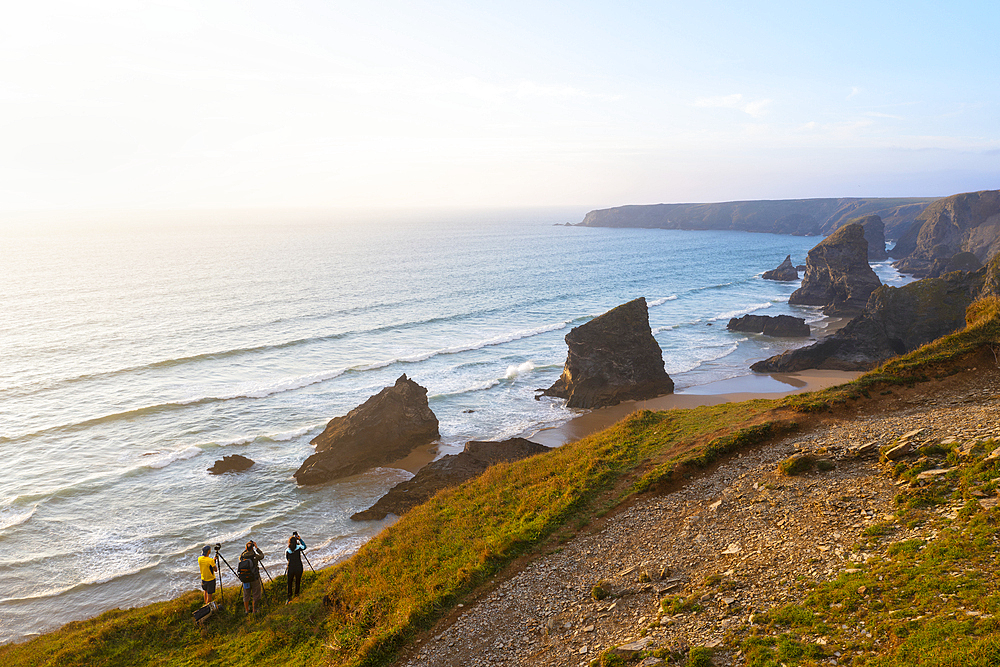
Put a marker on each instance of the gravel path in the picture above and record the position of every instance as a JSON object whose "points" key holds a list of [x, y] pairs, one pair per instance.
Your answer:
{"points": [[741, 538]]}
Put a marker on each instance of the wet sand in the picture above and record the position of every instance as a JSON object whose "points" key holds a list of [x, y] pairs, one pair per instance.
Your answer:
{"points": [[774, 385]]}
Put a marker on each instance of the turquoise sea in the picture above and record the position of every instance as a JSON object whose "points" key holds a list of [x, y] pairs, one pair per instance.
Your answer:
{"points": [[133, 357]]}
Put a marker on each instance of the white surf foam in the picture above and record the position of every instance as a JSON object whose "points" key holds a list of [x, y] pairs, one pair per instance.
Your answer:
{"points": [[660, 302], [742, 311], [159, 460], [263, 390], [519, 369], [709, 354], [15, 516]]}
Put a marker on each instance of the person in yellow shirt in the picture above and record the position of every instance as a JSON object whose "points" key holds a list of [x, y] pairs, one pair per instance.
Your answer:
{"points": [[207, 566]]}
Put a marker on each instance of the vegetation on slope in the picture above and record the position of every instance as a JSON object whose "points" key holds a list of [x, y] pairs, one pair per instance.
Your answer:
{"points": [[362, 611], [930, 601]]}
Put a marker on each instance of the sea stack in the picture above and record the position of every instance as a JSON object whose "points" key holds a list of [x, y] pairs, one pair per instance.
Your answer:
{"points": [[385, 428], [837, 274], [785, 271], [612, 358], [875, 235]]}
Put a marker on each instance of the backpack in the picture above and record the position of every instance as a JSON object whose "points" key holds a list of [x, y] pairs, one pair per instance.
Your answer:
{"points": [[245, 570]]}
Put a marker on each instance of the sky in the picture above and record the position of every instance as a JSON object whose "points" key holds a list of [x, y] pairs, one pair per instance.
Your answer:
{"points": [[215, 104]]}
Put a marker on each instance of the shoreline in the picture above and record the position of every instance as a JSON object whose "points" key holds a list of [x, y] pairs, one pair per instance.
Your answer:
{"points": [[742, 388]]}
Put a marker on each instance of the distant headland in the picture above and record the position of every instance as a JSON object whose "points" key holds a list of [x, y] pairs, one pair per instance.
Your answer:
{"points": [[798, 217]]}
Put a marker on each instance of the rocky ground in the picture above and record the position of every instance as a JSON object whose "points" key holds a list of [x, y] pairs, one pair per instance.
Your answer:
{"points": [[738, 540]]}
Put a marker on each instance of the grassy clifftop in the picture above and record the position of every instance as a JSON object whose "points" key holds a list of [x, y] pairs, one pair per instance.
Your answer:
{"points": [[363, 611]]}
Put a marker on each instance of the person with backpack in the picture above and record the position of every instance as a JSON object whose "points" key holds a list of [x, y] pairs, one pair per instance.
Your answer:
{"points": [[293, 554], [249, 573], [207, 566]]}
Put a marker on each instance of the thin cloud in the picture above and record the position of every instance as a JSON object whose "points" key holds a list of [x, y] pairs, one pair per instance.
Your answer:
{"points": [[855, 91], [726, 101], [755, 108], [487, 90], [533, 89]]}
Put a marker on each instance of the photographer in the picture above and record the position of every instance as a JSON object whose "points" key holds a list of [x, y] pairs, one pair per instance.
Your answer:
{"points": [[249, 573], [207, 567], [293, 554]]}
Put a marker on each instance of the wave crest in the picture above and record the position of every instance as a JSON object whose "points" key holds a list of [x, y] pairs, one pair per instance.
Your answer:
{"points": [[163, 459], [520, 369], [742, 311]]}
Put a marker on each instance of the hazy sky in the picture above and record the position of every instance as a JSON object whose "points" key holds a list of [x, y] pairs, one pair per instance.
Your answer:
{"points": [[172, 104]]}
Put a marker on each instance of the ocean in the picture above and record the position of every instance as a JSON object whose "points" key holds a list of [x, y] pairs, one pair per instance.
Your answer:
{"points": [[132, 358]]}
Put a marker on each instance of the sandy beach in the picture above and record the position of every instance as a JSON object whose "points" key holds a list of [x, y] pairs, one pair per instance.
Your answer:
{"points": [[775, 385]]}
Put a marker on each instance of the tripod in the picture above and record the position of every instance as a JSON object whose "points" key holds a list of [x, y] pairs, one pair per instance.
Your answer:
{"points": [[304, 552], [222, 597]]}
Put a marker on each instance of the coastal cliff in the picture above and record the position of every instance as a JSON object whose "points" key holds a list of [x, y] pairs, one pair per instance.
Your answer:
{"points": [[895, 321], [738, 532], [799, 217], [963, 223]]}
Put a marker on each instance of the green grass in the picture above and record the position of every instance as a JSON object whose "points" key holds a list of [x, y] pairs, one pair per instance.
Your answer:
{"points": [[410, 575], [930, 601]]}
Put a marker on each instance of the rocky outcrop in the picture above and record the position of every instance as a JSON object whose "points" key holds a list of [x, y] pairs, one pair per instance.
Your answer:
{"points": [[446, 472], [385, 428], [612, 358], [896, 320], [801, 217], [784, 271], [967, 222], [837, 274], [231, 463], [875, 235], [782, 326], [963, 261]]}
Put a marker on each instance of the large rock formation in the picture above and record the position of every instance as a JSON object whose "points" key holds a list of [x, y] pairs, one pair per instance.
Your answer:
{"points": [[968, 222], [785, 271], [448, 471], [612, 358], [875, 235], [782, 326], [896, 320], [837, 274], [385, 428], [801, 217]]}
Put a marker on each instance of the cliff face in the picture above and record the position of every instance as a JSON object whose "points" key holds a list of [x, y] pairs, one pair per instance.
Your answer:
{"points": [[837, 274], [800, 217], [612, 358], [895, 321], [967, 222], [385, 428]]}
